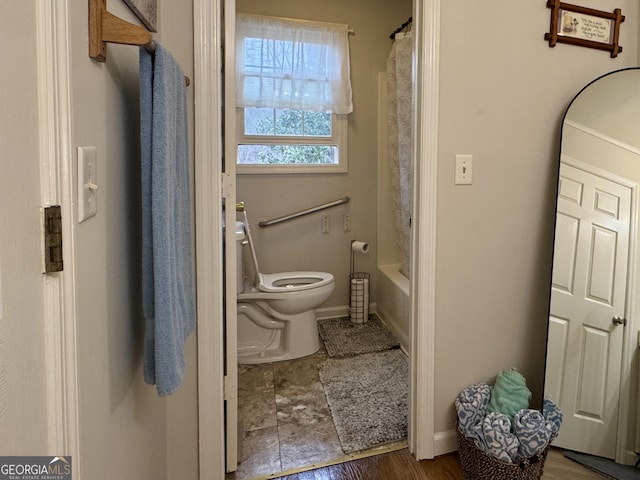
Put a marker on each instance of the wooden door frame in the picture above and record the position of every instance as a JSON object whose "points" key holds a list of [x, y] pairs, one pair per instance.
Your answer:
{"points": [[208, 151], [422, 436], [208, 158], [56, 177]]}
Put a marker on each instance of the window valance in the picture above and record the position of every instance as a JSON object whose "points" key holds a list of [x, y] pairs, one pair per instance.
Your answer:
{"points": [[292, 64]]}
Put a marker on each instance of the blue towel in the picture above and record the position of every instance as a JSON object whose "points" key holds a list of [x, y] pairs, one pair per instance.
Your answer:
{"points": [[471, 406], [532, 431], [553, 416], [500, 442], [168, 270]]}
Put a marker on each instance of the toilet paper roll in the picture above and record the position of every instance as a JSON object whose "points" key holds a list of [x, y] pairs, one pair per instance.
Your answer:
{"points": [[359, 247], [359, 307]]}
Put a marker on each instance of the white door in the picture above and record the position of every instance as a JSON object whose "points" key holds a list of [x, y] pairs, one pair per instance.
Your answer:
{"points": [[229, 166], [584, 355], [23, 383]]}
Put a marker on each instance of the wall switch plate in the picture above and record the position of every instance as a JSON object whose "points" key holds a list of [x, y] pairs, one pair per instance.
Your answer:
{"points": [[87, 182], [464, 171]]}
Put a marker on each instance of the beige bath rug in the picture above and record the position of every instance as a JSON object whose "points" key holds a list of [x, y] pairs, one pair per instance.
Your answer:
{"points": [[368, 397]]}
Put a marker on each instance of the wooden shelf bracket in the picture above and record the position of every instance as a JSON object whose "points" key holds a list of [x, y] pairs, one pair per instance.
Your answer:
{"points": [[105, 27]]}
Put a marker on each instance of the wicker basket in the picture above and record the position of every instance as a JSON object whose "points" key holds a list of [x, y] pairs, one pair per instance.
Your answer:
{"points": [[477, 465]]}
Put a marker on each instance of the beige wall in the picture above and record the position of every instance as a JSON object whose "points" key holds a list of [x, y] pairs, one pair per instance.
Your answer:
{"points": [[300, 245], [503, 92], [176, 25], [126, 430]]}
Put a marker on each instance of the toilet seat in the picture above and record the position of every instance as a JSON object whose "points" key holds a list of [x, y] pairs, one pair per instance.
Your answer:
{"points": [[293, 281]]}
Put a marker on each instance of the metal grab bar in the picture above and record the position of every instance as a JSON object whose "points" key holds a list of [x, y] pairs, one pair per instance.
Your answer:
{"points": [[301, 213]]}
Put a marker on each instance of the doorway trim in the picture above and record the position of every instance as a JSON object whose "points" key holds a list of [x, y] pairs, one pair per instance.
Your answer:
{"points": [[208, 151], [56, 187], [208, 166], [422, 441]]}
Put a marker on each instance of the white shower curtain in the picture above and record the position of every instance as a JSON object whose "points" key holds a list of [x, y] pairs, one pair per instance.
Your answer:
{"points": [[399, 79]]}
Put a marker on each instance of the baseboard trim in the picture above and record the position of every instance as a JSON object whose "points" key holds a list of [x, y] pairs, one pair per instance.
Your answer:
{"points": [[445, 442], [631, 457]]}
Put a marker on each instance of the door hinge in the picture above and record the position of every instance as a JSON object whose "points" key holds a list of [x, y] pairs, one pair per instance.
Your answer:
{"points": [[52, 223], [230, 387], [228, 185]]}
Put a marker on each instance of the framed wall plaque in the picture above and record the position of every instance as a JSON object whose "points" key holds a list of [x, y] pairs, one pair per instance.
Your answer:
{"points": [[585, 27], [146, 11]]}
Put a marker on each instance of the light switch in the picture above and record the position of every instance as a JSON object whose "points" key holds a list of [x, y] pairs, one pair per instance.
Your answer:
{"points": [[87, 182], [463, 169]]}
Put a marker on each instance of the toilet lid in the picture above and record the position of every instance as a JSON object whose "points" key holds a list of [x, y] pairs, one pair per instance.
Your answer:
{"points": [[293, 281]]}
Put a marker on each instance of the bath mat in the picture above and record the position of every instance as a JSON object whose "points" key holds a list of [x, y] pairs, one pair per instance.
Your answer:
{"points": [[605, 467], [368, 398], [343, 338]]}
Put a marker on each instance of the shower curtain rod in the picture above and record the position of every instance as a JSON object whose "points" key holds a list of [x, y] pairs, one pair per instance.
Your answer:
{"points": [[401, 28]]}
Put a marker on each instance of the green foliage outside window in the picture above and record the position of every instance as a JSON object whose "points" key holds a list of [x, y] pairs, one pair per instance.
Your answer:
{"points": [[272, 123]]}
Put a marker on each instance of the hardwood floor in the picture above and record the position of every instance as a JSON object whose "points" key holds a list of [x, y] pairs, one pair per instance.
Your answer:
{"points": [[400, 465], [559, 468]]}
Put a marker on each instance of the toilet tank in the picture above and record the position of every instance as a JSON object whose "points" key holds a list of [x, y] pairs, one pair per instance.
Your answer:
{"points": [[240, 237]]}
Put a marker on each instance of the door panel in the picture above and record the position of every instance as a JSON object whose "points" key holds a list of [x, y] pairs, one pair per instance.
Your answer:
{"points": [[588, 290], [23, 368]]}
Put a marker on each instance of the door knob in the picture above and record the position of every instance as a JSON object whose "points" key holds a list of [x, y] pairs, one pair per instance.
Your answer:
{"points": [[619, 321]]}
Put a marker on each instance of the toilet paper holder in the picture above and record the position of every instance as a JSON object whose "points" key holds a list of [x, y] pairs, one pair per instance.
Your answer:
{"points": [[357, 246]]}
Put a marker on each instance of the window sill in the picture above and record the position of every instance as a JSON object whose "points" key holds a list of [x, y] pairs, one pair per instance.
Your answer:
{"points": [[289, 169]]}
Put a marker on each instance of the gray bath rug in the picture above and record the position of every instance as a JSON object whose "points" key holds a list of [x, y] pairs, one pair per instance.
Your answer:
{"points": [[343, 338], [368, 398], [605, 467]]}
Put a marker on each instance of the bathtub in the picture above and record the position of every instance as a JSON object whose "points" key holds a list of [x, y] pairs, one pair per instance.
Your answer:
{"points": [[393, 303]]}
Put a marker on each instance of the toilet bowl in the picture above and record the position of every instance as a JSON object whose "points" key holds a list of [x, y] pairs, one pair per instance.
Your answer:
{"points": [[276, 315]]}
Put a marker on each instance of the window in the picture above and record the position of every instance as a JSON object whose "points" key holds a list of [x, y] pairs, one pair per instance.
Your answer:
{"points": [[291, 139], [293, 95]]}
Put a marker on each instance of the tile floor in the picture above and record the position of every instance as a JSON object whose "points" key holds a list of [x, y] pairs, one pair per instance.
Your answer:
{"points": [[286, 420]]}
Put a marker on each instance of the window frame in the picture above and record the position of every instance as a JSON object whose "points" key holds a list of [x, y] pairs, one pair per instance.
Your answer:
{"points": [[338, 138]]}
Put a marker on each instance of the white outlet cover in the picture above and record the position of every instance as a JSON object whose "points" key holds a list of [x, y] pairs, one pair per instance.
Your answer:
{"points": [[87, 182]]}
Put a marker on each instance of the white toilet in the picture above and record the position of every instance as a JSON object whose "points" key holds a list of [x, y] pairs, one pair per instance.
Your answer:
{"points": [[276, 316]]}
